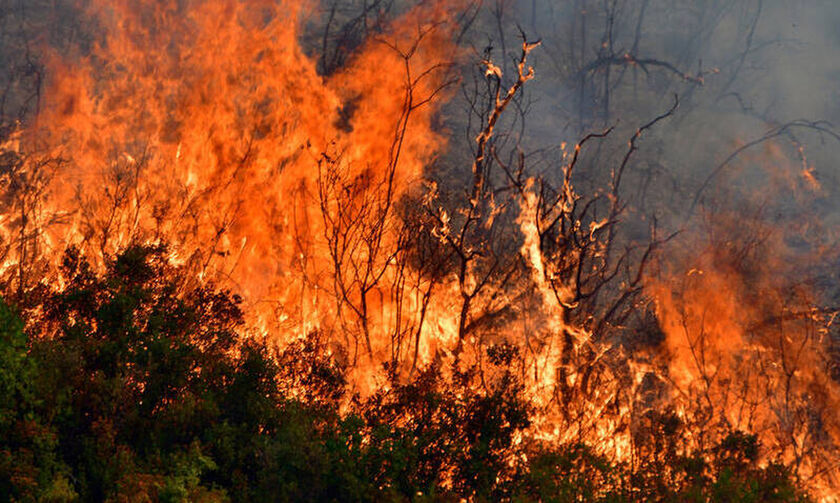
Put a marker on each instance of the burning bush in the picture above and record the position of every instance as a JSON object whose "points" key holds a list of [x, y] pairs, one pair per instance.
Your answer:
{"points": [[131, 386]]}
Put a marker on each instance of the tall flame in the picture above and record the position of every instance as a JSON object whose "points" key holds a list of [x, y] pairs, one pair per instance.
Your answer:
{"points": [[747, 350], [204, 123]]}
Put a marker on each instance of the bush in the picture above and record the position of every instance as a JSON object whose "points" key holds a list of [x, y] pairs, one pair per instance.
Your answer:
{"points": [[129, 386]]}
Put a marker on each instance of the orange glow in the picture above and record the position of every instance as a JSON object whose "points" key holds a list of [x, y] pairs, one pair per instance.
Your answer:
{"points": [[204, 124], [747, 351]]}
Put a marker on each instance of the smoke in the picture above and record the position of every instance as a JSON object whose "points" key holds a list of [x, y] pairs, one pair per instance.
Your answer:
{"points": [[762, 64], [754, 132]]}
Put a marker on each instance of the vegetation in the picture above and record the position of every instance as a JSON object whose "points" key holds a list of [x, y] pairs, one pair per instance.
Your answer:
{"points": [[132, 386]]}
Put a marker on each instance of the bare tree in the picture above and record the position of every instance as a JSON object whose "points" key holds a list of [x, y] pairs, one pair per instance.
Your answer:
{"points": [[359, 214]]}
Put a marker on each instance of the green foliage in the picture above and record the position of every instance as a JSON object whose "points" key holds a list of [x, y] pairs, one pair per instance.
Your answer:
{"points": [[29, 469], [571, 474], [132, 387]]}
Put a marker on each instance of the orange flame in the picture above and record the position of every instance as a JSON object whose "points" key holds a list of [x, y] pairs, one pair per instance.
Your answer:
{"points": [[747, 351], [204, 123]]}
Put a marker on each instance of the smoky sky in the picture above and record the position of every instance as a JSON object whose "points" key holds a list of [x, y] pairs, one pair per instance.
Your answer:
{"points": [[742, 70]]}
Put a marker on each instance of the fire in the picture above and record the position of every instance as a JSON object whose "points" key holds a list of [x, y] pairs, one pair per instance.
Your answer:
{"points": [[205, 124], [747, 351]]}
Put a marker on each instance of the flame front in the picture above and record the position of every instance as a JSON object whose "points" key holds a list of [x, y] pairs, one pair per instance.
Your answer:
{"points": [[747, 351]]}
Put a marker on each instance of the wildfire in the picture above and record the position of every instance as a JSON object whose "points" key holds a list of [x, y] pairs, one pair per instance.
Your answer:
{"points": [[733, 366], [206, 125]]}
